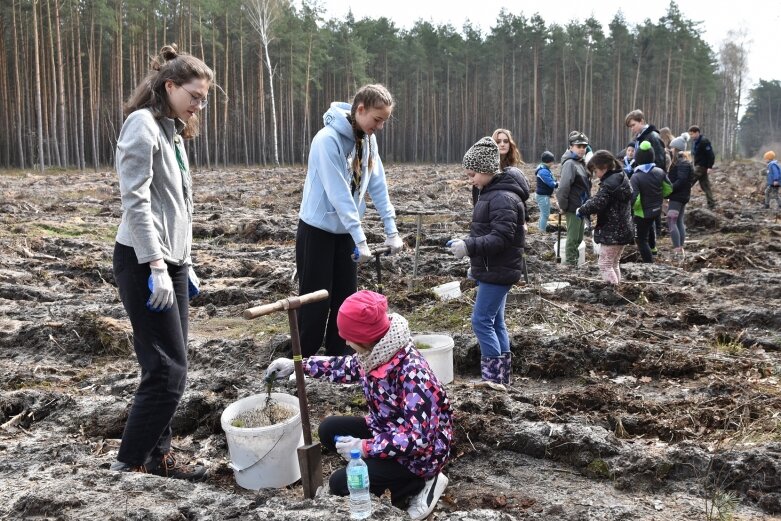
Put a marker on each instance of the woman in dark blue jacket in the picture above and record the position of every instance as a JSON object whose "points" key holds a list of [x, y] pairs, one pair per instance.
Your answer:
{"points": [[680, 175], [495, 249]]}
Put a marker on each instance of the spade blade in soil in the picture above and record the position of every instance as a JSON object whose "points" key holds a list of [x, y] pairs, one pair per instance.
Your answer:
{"points": [[311, 464]]}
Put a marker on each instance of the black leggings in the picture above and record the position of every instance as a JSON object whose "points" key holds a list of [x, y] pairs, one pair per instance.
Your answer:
{"points": [[644, 236], [323, 262], [160, 342], [383, 473]]}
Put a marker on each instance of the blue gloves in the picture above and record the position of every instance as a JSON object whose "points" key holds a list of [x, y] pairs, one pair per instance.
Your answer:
{"points": [[577, 213], [162, 288], [193, 284], [457, 248]]}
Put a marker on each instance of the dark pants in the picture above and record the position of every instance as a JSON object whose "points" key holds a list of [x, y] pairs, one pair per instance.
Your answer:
{"points": [[160, 342], [701, 175], [383, 473], [323, 262], [644, 229]]}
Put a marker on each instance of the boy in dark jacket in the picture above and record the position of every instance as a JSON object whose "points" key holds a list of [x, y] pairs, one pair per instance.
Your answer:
{"points": [[650, 186], [546, 184], [643, 131], [702, 152], [495, 249], [574, 189]]}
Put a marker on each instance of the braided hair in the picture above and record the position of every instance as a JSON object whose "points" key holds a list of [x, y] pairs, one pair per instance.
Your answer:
{"points": [[371, 96]]}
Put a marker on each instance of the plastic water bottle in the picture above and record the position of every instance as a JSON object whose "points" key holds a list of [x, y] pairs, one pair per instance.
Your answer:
{"points": [[358, 484]]}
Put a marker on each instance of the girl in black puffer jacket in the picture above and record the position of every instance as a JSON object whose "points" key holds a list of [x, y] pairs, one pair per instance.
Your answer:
{"points": [[614, 213], [681, 175], [495, 248]]}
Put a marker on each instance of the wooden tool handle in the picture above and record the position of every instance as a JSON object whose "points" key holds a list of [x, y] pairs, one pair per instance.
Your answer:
{"points": [[285, 304]]}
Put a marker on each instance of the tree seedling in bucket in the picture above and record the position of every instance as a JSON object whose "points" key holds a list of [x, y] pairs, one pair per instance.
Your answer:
{"points": [[309, 455]]}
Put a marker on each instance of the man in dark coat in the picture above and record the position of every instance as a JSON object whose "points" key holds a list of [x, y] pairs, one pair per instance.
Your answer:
{"points": [[702, 152]]}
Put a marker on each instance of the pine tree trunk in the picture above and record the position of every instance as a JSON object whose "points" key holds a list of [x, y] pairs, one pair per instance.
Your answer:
{"points": [[19, 105], [38, 105]]}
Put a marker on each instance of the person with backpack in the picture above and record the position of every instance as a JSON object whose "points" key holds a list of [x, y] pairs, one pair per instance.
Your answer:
{"points": [[546, 184], [650, 185]]}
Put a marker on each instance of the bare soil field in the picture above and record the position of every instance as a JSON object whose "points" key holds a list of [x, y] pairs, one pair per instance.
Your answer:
{"points": [[656, 401]]}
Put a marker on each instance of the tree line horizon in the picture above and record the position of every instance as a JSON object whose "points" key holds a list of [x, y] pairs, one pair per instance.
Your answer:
{"points": [[69, 65]]}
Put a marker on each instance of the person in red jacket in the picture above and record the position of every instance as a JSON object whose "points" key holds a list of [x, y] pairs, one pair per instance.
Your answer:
{"points": [[405, 439]]}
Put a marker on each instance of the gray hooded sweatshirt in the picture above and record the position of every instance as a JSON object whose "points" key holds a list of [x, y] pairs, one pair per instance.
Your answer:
{"points": [[157, 202]]}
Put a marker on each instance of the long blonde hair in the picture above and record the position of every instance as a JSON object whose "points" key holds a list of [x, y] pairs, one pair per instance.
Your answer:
{"points": [[513, 155]]}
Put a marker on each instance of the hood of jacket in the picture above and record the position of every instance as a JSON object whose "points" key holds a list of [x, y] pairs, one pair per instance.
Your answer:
{"points": [[508, 182], [336, 117]]}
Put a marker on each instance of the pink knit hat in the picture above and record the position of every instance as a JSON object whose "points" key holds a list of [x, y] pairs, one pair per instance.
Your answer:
{"points": [[363, 317]]}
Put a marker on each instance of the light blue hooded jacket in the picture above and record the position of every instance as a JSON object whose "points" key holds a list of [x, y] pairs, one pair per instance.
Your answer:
{"points": [[327, 202]]}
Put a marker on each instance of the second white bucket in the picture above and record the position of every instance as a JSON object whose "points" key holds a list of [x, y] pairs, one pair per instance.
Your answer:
{"points": [[263, 457], [563, 245], [439, 355]]}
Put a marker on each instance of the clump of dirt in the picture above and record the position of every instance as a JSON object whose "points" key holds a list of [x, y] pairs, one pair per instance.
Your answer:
{"points": [[657, 399]]}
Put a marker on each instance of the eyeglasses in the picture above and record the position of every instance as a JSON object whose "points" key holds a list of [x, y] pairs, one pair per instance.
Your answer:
{"points": [[198, 101]]}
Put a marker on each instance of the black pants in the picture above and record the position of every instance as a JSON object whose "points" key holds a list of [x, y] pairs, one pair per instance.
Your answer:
{"points": [[160, 342], [644, 230], [323, 262], [383, 473]]}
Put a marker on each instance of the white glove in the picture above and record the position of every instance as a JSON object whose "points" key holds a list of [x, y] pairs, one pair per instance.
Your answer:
{"points": [[193, 284], [162, 288], [280, 368], [346, 444], [458, 248], [394, 242], [361, 252]]}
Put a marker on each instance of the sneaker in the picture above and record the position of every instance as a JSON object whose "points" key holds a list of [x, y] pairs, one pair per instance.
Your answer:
{"points": [[421, 505]]}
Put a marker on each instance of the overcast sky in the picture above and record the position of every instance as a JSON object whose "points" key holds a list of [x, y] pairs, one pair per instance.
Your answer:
{"points": [[761, 21]]}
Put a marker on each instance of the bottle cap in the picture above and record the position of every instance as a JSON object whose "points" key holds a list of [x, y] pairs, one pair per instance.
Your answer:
{"points": [[355, 454]]}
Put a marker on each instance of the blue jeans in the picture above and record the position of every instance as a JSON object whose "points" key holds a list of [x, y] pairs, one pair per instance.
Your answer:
{"points": [[543, 201], [488, 319]]}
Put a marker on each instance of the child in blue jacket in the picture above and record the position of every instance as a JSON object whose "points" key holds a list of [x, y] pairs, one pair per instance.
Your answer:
{"points": [[546, 184], [773, 179]]}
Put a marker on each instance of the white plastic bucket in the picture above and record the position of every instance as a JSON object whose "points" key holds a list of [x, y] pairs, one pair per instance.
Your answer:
{"points": [[263, 457], [448, 290], [563, 245], [439, 356]]}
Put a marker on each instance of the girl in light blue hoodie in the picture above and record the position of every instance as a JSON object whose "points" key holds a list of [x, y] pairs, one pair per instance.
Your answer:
{"points": [[344, 165]]}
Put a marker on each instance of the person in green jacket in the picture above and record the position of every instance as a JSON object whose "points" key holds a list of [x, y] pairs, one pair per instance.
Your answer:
{"points": [[650, 185]]}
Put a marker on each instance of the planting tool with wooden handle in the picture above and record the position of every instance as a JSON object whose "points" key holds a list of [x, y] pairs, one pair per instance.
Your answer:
{"points": [[309, 454]]}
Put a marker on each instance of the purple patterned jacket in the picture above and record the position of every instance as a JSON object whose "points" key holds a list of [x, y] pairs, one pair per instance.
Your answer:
{"points": [[409, 412]]}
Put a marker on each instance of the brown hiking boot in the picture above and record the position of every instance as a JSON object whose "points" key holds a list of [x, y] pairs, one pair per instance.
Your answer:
{"points": [[167, 468], [170, 468]]}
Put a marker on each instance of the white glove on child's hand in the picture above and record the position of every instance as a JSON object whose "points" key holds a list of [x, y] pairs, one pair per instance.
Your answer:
{"points": [[361, 252], [394, 242], [346, 444], [280, 368], [457, 248]]}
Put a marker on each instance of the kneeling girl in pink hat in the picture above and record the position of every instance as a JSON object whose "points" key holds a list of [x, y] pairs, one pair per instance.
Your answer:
{"points": [[405, 438]]}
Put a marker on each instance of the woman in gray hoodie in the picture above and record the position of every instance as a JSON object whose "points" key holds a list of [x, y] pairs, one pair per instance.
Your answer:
{"points": [[152, 264]]}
